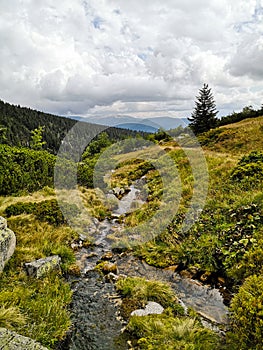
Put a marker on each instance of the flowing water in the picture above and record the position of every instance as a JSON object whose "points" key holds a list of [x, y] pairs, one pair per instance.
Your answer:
{"points": [[97, 323]]}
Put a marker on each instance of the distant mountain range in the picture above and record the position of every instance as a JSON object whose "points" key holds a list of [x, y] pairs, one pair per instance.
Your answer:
{"points": [[138, 124]]}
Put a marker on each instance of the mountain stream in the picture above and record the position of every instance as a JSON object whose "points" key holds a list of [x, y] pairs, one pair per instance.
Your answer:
{"points": [[96, 320]]}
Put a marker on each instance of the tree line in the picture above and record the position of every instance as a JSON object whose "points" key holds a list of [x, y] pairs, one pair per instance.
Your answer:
{"points": [[203, 117]]}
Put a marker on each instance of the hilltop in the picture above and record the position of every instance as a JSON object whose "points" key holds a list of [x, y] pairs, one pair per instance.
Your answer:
{"points": [[235, 138]]}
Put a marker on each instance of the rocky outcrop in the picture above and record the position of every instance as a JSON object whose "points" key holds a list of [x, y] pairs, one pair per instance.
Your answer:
{"points": [[12, 341], [7, 243], [42, 267]]}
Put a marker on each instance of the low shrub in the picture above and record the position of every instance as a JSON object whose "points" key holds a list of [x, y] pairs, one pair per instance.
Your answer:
{"points": [[239, 238], [48, 210], [246, 314], [249, 167], [215, 136], [24, 170]]}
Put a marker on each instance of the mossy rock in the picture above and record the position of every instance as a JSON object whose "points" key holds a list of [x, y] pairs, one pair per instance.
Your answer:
{"points": [[12, 341]]}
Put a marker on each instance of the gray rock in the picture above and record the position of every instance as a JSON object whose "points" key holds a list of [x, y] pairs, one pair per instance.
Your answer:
{"points": [[7, 243], [12, 341], [151, 308], [42, 267]]}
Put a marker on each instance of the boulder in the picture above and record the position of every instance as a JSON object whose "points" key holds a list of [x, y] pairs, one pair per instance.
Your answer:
{"points": [[7, 243], [42, 267], [152, 308], [12, 341]]}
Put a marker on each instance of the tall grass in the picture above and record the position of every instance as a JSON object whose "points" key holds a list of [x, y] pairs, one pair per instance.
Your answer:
{"points": [[37, 308], [163, 332]]}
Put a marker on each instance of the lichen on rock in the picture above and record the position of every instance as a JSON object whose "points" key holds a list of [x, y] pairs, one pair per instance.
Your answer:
{"points": [[42, 267], [7, 243], [10, 340]]}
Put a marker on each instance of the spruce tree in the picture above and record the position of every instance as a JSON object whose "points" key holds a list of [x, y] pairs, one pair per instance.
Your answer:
{"points": [[36, 138], [203, 117]]}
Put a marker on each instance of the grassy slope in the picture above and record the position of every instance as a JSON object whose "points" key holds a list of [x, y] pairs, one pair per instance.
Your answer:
{"points": [[223, 149], [236, 139], [227, 240]]}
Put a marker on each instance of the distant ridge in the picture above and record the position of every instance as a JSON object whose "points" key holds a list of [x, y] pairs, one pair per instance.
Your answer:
{"points": [[139, 124], [138, 127]]}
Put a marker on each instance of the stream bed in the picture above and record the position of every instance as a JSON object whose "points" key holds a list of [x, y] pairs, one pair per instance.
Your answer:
{"points": [[96, 320]]}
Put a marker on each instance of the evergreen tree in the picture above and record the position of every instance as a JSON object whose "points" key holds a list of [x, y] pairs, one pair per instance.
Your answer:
{"points": [[3, 131], [36, 138], [203, 117]]}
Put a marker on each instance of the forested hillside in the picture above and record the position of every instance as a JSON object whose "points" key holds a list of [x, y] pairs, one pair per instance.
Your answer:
{"points": [[16, 124]]}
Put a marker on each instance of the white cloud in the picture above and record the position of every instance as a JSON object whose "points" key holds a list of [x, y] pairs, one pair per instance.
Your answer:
{"points": [[248, 58], [132, 57]]}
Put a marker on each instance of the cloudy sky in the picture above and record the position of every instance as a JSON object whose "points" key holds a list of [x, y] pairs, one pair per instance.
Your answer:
{"points": [[130, 57]]}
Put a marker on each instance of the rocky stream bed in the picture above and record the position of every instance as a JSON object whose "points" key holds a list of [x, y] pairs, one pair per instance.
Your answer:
{"points": [[96, 319]]}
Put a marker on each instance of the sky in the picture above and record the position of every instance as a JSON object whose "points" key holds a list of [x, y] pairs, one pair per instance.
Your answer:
{"points": [[128, 57]]}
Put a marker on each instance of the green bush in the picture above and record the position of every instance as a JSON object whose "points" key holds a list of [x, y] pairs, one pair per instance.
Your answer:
{"points": [[215, 136], [236, 240], [252, 260], [247, 315], [48, 210], [24, 170], [253, 157], [20, 208], [85, 172], [250, 166]]}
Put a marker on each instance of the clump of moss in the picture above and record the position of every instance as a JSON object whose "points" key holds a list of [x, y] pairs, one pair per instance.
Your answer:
{"points": [[143, 290], [164, 332]]}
